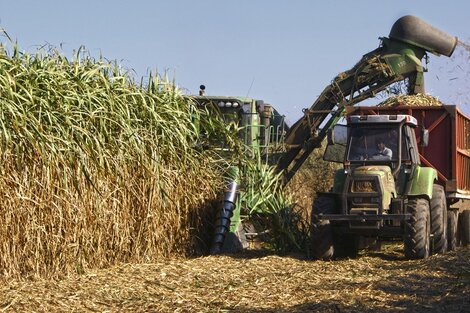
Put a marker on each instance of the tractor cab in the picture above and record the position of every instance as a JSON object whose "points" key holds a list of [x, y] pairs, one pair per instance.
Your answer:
{"points": [[366, 140]]}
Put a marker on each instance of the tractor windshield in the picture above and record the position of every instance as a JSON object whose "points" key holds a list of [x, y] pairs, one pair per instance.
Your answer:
{"points": [[373, 144]]}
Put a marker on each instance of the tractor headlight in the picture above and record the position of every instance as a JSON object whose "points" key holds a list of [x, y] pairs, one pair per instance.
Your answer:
{"points": [[221, 104], [228, 104]]}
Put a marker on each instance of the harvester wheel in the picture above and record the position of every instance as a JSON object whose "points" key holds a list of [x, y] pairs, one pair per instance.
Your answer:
{"points": [[452, 230], [465, 230], [322, 232], [418, 229], [236, 241], [439, 219]]}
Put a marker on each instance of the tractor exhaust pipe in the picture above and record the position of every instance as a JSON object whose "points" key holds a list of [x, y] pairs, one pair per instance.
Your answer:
{"points": [[415, 31]]}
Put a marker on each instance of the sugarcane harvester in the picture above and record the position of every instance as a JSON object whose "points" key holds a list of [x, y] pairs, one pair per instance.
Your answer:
{"points": [[398, 58], [261, 129]]}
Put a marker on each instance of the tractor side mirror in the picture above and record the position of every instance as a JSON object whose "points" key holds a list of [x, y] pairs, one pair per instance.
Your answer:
{"points": [[337, 135], [337, 138], [424, 137]]}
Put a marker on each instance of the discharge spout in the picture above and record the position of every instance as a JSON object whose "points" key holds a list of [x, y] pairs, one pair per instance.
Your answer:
{"points": [[415, 31]]}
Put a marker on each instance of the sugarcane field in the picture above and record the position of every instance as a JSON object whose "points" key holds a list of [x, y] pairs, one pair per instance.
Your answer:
{"points": [[123, 192]]}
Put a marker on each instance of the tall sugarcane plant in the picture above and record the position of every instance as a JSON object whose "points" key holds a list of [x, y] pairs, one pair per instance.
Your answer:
{"points": [[96, 168], [264, 198]]}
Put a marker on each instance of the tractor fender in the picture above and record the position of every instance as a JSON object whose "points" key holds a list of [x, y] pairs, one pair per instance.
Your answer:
{"points": [[422, 181]]}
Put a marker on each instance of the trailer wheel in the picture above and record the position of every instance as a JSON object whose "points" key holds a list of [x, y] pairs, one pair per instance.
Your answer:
{"points": [[452, 230], [321, 231], [417, 229], [465, 230], [439, 219]]}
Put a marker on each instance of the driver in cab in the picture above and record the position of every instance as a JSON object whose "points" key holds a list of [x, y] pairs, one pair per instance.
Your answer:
{"points": [[382, 152]]}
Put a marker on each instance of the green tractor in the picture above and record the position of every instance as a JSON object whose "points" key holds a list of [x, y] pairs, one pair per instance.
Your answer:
{"points": [[392, 188], [383, 191]]}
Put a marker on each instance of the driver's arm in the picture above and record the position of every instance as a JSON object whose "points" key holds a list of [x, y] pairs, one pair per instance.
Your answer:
{"points": [[386, 154]]}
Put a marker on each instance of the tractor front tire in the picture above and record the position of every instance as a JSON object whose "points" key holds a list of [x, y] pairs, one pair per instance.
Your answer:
{"points": [[322, 231], [417, 229], [439, 219]]}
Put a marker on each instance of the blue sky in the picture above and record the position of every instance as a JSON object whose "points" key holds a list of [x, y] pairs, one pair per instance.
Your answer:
{"points": [[284, 52]]}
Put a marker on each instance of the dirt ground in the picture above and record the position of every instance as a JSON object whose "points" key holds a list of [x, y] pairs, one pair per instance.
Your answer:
{"points": [[256, 282]]}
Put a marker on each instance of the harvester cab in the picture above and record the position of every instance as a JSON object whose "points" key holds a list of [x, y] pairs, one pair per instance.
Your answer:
{"points": [[259, 126]]}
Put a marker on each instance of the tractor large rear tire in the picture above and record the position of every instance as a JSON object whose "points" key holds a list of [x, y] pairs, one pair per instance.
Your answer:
{"points": [[465, 227], [417, 229], [439, 219], [452, 230], [322, 232]]}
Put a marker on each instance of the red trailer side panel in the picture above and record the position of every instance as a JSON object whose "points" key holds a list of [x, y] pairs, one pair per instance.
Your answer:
{"points": [[449, 141], [463, 152]]}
